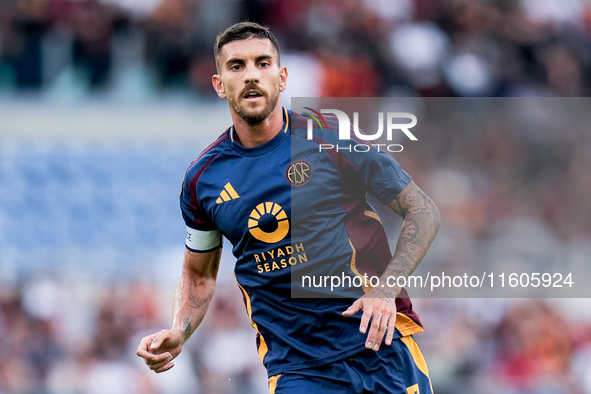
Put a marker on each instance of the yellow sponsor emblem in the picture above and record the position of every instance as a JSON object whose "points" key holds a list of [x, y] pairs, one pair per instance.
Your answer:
{"points": [[268, 222]]}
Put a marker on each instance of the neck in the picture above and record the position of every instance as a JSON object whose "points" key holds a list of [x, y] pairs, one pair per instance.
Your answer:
{"points": [[250, 135]]}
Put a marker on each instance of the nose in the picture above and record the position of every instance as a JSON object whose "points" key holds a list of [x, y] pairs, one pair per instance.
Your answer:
{"points": [[252, 75]]}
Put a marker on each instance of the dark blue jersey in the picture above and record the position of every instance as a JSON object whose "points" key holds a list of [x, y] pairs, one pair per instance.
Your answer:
{"points": [[291, 211]]}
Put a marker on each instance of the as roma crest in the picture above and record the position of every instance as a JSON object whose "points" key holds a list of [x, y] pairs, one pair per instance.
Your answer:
{"points": [[299, 173]]}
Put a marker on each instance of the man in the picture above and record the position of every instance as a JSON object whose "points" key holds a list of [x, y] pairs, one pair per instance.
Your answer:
{"points": [[288, 209]]}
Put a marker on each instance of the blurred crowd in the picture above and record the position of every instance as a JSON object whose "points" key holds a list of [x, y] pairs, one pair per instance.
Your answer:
{"points": [[344, 48], [510, 195], [71, 338]]}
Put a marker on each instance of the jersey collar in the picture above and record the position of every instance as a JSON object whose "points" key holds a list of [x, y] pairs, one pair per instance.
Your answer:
{"points": [[267, 146]]}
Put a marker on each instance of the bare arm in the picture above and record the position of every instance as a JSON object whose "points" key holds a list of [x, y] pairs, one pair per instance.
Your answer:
{"points": [[195, 290], [191, 300], [419, 228]]}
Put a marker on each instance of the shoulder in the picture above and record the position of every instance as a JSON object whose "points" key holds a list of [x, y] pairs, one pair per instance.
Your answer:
{"points": [[298, 120], [322, 133], [314, 126], [208, 155], [325, 129]]}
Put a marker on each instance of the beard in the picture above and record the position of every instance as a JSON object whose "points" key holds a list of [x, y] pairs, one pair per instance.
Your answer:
{"points": [[253, 116]]}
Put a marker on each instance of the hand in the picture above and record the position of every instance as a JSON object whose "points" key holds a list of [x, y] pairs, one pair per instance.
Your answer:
{"points": [[159, 349], [379, 306]]}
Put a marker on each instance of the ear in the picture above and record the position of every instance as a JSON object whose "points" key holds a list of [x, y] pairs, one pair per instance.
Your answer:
{"points": [[216, 81], [282, 78]]}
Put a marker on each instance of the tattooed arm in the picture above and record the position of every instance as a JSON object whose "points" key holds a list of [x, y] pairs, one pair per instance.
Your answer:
{"points": [[191, 299], [421, 223], [195, 290]]}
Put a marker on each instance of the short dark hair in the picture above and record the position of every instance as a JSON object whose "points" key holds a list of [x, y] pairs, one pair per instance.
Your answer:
{"points": [[243, 31]]}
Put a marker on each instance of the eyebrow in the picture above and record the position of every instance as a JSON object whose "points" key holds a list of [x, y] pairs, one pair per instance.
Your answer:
{"points": [[241, 61]]}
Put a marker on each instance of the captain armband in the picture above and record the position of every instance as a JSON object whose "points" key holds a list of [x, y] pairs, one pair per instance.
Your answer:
{"points": [[202, 241]]}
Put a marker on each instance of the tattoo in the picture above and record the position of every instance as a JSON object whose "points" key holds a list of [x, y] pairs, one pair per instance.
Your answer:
{"points": [[396, 207], [189, 304], [179, 300], [186, 327], [417, 201], [384, 294], [405, 260], [421, 223], [410, 229], [194, 291], [413, 200], [195, 301]]}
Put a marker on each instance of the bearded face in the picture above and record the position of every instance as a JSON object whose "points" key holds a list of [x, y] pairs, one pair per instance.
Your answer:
{"points": [[253, 104], [250, 78]]}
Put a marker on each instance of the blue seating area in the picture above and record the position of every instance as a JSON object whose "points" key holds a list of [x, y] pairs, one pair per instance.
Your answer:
{"points": [[54, 199]]}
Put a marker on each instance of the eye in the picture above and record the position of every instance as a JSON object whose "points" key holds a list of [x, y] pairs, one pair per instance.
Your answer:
{"points": [[264, 64], [235, 67]]}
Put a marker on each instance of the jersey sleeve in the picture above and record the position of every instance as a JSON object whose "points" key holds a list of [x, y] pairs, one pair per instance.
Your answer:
{"points": [[384, 178], [202, 234]]}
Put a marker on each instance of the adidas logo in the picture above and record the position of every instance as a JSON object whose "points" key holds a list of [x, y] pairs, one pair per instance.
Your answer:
{"points": [[227, 194]]}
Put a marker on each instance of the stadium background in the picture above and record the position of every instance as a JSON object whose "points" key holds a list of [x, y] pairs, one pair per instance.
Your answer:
{"points": [[104, 103]]}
